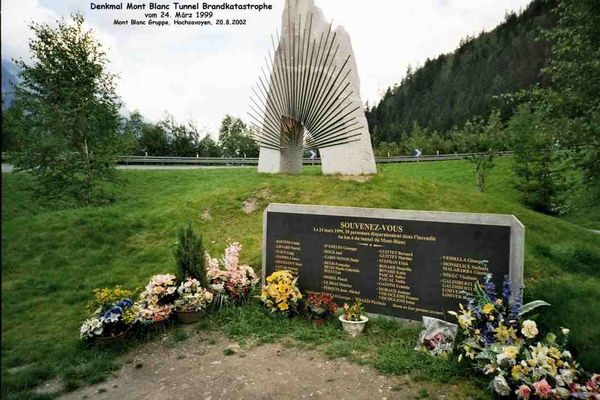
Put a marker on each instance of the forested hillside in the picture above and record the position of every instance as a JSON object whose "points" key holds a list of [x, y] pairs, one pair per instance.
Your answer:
{"points": [[451, 89]]}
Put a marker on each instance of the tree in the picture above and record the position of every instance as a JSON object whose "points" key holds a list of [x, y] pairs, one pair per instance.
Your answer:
{"points": [[208, 147], [235, 138], [191, 261], [536, 163], [571, 100], [183, 139], [453, 88], [154, 140], [69, 122], [10, 127], [482, 139]]}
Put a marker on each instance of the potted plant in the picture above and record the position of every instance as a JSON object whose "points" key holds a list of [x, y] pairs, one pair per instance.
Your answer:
{"points": [[280, 295], [192, 302], [353, 319], [319, 307], [156, 301], [114, 313]]}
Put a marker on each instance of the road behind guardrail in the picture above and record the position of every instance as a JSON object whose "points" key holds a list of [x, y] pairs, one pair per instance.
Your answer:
{"points": [[238, 161]]}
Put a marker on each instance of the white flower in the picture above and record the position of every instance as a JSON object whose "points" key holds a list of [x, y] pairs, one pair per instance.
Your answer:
{"points": [[565, 331], [529, 329], [111, 317], [501, 386], [539, 354], [504, 360], [219, 288], [566, 354], [562, 393], [490, 368], [90, 328], [567, 375]]}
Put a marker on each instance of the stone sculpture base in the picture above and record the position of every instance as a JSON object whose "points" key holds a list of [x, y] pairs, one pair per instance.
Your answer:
{"points": [[288, 161], [352, 158]]}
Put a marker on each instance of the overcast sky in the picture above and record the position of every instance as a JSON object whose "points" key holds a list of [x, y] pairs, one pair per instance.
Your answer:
{"points": [[203, 73]]}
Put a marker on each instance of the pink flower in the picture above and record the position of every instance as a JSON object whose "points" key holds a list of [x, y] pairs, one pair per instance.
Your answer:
{"points": [[523, 392], [543, 389]]}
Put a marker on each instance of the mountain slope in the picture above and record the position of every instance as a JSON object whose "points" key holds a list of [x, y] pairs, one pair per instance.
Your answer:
{"points": [[9, 75], [449, 90]]}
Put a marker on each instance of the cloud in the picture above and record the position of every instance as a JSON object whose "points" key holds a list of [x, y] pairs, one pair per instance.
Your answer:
{"points": [[17, 15], [204, 73]]}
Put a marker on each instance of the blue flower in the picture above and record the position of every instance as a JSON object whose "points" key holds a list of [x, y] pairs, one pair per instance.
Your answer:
{"points": [[126, 303], [490, 287], [516, 306], [112, 314]]}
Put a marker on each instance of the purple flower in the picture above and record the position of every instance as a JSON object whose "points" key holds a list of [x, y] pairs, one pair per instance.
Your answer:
{"points": [[488, 334], [506, 292]]}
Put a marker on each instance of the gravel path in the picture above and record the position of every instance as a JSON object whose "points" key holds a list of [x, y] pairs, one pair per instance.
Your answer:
{"points": [[207, 366]]}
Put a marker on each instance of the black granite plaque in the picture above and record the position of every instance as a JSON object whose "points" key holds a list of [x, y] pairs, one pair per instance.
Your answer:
{"points": [[399, 268]]}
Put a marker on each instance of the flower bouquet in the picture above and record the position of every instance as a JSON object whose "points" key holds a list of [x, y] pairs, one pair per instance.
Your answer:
{"points": [[230, 282], [320, 306], [156, 301], [521, 362], [281, 296], [114, 313], [437, 337], [192, 302]]}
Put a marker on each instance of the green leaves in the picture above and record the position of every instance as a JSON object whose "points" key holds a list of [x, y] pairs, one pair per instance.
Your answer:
{"points": [[526, 308], [68, 114]]}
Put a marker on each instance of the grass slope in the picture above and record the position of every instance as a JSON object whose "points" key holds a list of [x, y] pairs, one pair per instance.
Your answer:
{"points": [[52, 260]]}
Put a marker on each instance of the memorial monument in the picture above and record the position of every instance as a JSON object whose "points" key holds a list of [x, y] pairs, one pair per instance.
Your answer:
{"points": [[309, 98], [399, 263]]}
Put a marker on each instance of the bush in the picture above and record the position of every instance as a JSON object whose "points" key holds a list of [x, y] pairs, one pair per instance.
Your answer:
{"points": [[191, 262]]}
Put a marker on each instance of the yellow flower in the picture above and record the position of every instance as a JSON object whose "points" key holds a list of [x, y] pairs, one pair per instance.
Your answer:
{"points": [[551, 366], [465, 318], [554, 352], [469, 352], [511, 351], [281, 292], [518, 371], [488, 308], [503, 333]]}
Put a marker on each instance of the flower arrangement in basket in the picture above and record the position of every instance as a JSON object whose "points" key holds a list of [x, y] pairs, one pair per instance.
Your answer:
{"points": [[192, 302], [230, 282], [521, 362], [114, 313], [320, 306], [281, 296], [156, 301]]}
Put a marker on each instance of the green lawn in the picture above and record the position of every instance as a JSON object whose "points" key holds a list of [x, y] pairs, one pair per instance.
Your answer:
{"points": [[52, 260]]}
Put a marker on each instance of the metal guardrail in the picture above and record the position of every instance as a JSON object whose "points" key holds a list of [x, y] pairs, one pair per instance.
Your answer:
{"points": [[150, 160], [235, 161]]}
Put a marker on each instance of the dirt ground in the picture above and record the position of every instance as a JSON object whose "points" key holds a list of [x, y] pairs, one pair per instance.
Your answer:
{"points": [[207, 366]]}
